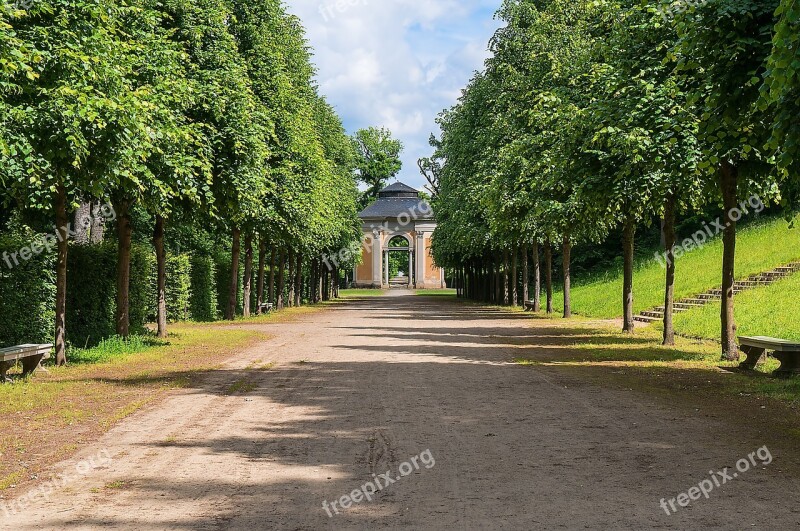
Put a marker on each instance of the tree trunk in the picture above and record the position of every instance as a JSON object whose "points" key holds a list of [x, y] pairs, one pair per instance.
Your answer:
{"points": [[320, 280], [312, 281], [262, 265], [98, 223], [548, 275], [669, 292], [233, 290], [83, 222], [325, 291], [628, 234], [290, 296], [298, 280], [60, 207], [281, 279], [498, 281], [124, 232], [526, 274], [515, 277], [729, 186], [272, 265], [567, 278], [335, 282], [248, 273], [506, 279], [537, 279], [161, 275]]}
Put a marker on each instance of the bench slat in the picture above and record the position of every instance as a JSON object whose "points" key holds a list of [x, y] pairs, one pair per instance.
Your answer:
{"points": [[770, 343], [24, 351]]}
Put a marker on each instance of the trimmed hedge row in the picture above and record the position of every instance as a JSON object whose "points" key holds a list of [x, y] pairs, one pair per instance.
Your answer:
{"points": [[203, 300], [92, 291], [179, 288], [27, 290]]}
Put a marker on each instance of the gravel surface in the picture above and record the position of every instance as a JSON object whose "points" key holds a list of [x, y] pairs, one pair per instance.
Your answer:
{"points": [[422, 384]]}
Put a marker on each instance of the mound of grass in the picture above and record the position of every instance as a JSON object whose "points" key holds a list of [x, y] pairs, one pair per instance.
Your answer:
{"points": [[769, 311], [762, 245]]}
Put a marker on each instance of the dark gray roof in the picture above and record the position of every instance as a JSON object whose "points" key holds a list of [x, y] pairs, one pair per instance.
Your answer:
{"points": [[394, 207], [398, 189], [397, 200]]}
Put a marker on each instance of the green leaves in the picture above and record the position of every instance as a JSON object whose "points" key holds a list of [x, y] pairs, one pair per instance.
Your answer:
{"points": [[377, 159]]}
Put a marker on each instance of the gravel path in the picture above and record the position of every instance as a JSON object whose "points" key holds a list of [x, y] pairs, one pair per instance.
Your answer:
{"points": [[362, 389]]}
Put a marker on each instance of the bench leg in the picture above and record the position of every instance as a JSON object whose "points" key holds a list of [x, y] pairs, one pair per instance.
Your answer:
{"points": [[30, 363], [790, 363], [754, 355], [4, 366]]}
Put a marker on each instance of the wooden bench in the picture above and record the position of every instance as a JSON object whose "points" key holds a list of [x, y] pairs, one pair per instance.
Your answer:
{"points": [[266, 307], [786, 352], [30, 355], [529, 306]]}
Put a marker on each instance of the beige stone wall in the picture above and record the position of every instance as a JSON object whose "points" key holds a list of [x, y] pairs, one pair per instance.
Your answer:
{"points": [[433, 274], [364, 269]]}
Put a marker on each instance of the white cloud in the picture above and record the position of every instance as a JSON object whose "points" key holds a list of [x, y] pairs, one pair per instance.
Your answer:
{"points": [[396, 63]]}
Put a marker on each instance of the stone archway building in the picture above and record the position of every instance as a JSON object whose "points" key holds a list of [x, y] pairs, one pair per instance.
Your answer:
{"points": [[398, 211]]}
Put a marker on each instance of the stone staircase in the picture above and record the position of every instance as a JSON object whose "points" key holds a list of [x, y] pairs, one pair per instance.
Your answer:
{"points": [[398, 282], [683, 305]]}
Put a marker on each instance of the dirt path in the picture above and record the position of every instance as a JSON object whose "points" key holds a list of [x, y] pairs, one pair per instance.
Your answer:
{"points": [[363, 388]]}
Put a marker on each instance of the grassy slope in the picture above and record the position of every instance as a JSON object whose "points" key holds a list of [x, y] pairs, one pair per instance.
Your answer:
{"points": [[760, 246], [768, 311]]}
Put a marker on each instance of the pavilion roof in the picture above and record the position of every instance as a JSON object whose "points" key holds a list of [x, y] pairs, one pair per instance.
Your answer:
{"points": [[396, 200]]}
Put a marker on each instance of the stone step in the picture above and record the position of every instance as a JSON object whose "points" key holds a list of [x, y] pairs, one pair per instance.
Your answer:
{"points": [[687, 305], [755, 281], [646, 319], [695, 302]]}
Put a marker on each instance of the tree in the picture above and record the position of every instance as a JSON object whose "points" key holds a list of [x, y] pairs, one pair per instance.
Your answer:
{"points": [[72, 116], [377, 160], [780, 95], [723, 47]]}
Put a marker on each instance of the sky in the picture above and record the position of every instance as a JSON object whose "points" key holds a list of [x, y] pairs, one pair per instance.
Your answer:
{"points": [[397, 63]]}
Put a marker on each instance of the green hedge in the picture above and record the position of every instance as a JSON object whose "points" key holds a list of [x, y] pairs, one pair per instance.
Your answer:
{"points": [[27, 290], [92, 291], [203, 302], [222, 263], [179, 287]]}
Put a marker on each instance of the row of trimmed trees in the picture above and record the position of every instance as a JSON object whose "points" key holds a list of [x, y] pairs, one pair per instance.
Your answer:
{"points": [[196, 113], [593, 116]]}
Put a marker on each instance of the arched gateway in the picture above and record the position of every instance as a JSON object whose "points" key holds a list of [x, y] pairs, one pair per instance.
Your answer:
{"points": [[398, 224]]}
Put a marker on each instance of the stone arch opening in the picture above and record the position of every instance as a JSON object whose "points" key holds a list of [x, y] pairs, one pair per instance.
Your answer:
{"points": [[399, 270]]}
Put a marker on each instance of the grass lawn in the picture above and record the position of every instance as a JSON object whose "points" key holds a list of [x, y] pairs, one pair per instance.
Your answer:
{"points": [[436, 292], [691, 364], [49, 416], [768, 311], [355, 293], [760, 246]]}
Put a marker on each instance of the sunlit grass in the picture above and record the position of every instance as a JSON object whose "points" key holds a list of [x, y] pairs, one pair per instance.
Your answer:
{"points": [[760, 246], [355, 293], [767, 311], [592, 347], [437, 292]]}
